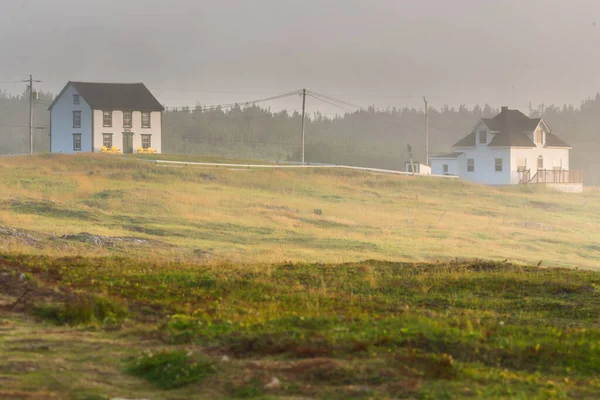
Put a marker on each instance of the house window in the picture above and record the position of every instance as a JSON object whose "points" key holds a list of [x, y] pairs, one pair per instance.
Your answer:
{"points": [[482, 137], [146, 142], [540, 162], [126, 119], [521, 165], [498, 165], [445, 168], [470, 165], [107, 119], [539, 136], [76, 99], [145, 120], [76, 119], [107, 140], [77, 142]]}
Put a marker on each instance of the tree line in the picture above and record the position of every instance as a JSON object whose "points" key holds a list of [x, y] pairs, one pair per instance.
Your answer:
{"points": [[371, 137]]}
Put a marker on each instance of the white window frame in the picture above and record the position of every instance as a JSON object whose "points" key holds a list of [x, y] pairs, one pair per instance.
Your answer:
{"points": [[104, 137], [130, 114], [76, 119], [76, 99], [496, 164], [147, 137], [76, 137], [482, 135], [149, 124], [471, 167], [445, 168], [106, 114]]}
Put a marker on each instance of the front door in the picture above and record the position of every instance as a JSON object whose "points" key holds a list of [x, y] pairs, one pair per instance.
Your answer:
{"points": [[127, 142]]}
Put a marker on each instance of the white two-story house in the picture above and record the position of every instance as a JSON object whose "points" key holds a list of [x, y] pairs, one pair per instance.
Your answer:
{"points": [[510, 148], [86, 116]]}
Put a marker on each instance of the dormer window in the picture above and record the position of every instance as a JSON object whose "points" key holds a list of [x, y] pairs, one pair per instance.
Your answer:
{"points": [[539, 136], [482, 137]]}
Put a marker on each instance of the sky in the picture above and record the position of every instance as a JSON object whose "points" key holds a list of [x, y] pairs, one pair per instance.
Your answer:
{"points": [[378, 52]]}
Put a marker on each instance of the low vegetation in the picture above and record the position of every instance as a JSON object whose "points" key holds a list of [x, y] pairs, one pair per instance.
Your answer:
{"points": [[103, 205], [121, 278], [359, 330]]}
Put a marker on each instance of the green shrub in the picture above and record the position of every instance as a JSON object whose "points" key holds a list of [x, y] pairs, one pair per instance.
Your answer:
{"points": [[83, 310], [171, 369]]}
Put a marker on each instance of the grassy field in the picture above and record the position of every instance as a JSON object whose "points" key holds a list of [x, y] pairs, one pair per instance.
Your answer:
{"points": [[121, 278], [250, 216]]}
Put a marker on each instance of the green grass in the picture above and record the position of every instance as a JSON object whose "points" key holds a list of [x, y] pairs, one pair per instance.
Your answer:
{"points": [[170, 369], [371, 329], [248, 275]]}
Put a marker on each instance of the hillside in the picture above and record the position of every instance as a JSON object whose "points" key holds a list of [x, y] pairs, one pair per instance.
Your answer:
{"points": [[314, 215], [120, 278]]}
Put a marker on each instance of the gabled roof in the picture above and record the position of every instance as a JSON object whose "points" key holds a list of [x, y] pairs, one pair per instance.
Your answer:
{"points": [[510, 128], [554, 141], [467, 141], [448, 156], [115, 96]]}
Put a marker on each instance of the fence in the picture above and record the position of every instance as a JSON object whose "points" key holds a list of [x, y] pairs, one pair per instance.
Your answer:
{"points": [[557, 176]]}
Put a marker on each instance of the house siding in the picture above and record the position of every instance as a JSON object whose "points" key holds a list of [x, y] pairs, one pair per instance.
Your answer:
{"points": [[553, 157], [437, 166], [61, 123], [485, 165], [117, 129]]}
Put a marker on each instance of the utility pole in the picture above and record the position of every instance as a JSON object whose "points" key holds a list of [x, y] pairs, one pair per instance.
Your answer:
{"points": [[426, 131], [303, 113], [30, 81]]}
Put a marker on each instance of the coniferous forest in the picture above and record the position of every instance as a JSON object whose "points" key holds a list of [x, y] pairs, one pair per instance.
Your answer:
{"points": [[370, 137]]}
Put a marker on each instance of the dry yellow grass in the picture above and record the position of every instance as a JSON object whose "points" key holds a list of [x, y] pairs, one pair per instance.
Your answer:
{"points": [[264, 216]]}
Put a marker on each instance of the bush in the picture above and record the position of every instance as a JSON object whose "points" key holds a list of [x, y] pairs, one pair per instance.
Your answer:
{"points": [[83, 310], [318, 211], [171, 369]]}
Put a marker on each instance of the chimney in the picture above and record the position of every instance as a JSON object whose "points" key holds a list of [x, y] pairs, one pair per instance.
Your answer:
{"points": [[504, 108]]}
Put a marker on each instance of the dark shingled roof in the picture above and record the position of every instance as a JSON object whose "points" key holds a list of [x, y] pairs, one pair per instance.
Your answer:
{"points": [[467, 141], [116, 96], [554, 141], [510, 128], [449, 155]]}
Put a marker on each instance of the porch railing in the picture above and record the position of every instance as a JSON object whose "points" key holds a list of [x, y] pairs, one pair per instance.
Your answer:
{"points": [[554, 176]]}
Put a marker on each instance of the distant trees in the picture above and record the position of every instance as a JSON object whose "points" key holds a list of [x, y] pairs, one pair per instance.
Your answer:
{"points": [[372, 137], [14, 123]]}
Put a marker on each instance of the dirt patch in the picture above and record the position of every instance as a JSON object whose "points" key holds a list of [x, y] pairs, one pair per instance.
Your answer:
{"points": [[282, 208], [534, 225], [20, 395], [18, 367], [26, 238], [295, 366], [103, 241]]}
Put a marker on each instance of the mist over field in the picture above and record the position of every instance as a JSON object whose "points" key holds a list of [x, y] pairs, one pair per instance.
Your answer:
{"points": [[219, 202]]}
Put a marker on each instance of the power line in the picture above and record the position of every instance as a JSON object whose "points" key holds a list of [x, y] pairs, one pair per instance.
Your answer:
{"points": [[23, 126], [210, 91], [404, 119], [205, 139], [241, 103]]}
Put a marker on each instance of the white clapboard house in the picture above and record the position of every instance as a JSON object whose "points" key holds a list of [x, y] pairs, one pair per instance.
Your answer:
{"points": [[86, 116], [510, 148]]}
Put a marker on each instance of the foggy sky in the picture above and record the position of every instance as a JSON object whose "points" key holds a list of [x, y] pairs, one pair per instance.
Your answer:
{"points": [[383, 52]]}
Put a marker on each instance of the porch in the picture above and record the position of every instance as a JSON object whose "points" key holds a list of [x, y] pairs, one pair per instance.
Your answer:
{"points": [[560, 180], [551, 176]]}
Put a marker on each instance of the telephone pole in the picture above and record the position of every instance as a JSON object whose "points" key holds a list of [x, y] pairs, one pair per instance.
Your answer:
{"points": [[30, 81], [303, 114], [426, 131]]}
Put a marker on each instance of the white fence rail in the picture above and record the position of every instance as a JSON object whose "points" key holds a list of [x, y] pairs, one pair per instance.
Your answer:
{"points": [[278, 166]]}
